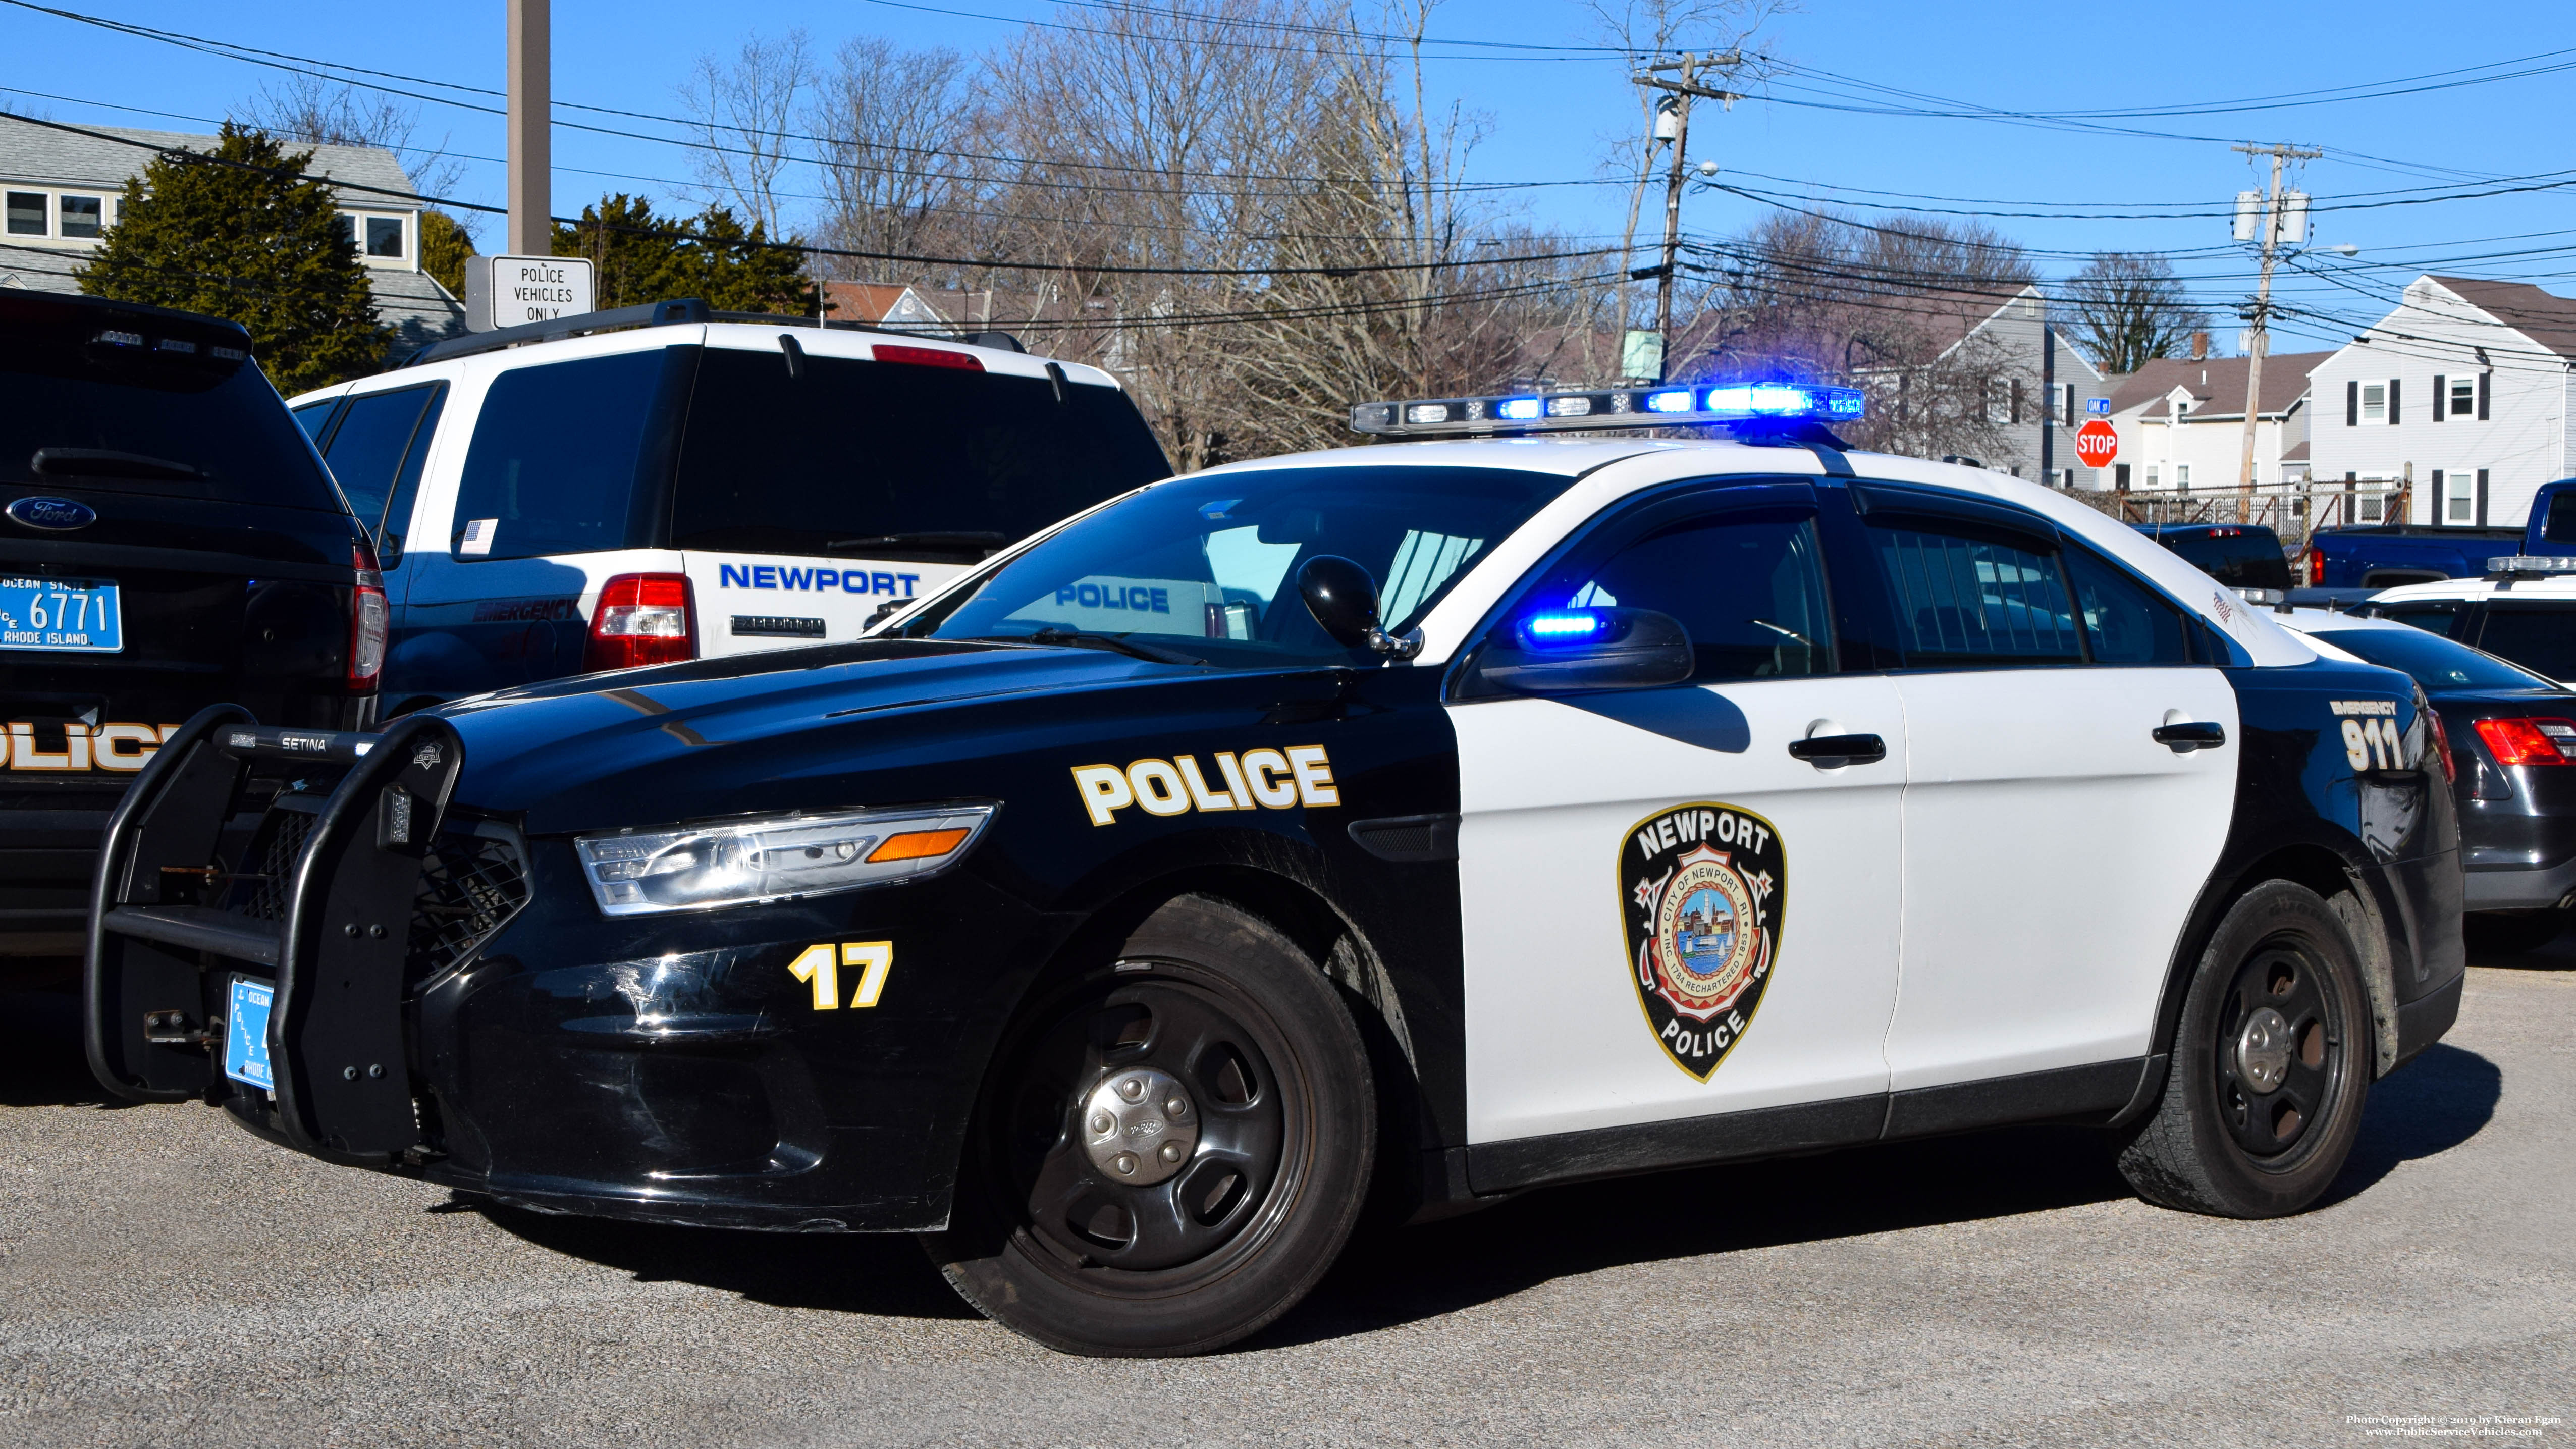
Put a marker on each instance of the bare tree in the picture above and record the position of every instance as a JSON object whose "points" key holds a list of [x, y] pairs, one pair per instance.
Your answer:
{"points": [[744, 109], [893, 182], [312, 110], [2129, 307]]}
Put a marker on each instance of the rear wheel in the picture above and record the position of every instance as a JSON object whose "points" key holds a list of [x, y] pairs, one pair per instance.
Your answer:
{"points": [[1171, 1149], [2271, 1064]]}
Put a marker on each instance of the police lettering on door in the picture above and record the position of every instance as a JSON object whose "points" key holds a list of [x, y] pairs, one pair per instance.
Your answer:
{"points": [[815, 580]]}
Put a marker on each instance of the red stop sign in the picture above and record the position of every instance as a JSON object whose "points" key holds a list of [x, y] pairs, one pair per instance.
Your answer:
{"points": [[2097, 443]]}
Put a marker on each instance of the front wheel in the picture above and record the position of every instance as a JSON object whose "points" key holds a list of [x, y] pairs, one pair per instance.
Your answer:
{"points": [[1171, 1148], [2271, 1063]]}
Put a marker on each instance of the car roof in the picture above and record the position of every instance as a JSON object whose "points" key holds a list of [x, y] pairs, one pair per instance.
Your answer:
{"points": [[2333, 621], [2555, 586]]}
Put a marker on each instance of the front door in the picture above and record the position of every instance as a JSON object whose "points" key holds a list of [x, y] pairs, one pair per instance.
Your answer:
{"points": [[1666, 914]]}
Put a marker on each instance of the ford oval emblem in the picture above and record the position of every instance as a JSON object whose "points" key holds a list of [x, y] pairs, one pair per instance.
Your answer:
{"points": [[59, 515]]}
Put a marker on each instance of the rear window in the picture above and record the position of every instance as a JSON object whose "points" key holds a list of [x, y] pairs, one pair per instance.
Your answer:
{"points": [[2559, 526], [2435, 663], [137, 403], [2240, 560], [893, 460], [2539, 637]]}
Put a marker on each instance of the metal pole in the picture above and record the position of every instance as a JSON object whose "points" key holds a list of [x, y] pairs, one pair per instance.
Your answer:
{"points": [[531, 190], [1673, 222]]}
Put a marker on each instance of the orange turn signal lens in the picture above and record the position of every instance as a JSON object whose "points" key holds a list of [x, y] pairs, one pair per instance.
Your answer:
{"points": [[917, 845]]}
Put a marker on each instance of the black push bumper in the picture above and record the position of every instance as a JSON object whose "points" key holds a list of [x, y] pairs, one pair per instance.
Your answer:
{"points": [[323, 919]]}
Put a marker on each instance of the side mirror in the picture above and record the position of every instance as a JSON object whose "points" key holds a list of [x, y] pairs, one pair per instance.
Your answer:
{"points": [[1343, 598], [1562, 651]]}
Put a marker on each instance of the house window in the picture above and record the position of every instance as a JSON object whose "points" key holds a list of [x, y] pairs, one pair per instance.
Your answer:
{"points": [[2181, 410], [2182, 475], [384, 236], [2464, 397], [2460, 496], [84, 216], [2374, 402], [2151, 475], [1999, 401], [27, 213]]}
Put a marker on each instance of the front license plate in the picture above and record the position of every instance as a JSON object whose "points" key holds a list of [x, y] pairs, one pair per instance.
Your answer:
{"points": [[61, 616], [246, 1033]]}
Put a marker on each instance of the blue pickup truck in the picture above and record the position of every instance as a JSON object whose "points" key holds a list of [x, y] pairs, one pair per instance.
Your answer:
{"points": [[2384, 555]]}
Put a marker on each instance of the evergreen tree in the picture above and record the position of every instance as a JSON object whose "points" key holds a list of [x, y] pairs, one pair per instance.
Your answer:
{"points": [[240, 233], [639, 258], [445, 248]]}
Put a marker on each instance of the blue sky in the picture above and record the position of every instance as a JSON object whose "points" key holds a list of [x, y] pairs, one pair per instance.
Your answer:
{"points": [[1552, 118]]}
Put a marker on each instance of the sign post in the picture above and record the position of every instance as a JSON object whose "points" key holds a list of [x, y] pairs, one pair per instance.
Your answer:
{"points": [[2097, 443], [508, 291]]}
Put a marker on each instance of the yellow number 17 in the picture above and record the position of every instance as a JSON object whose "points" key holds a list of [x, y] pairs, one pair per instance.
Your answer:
{"points": [[820, 966]]}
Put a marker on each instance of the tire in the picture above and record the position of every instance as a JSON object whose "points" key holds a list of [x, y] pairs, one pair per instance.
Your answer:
{"points": [[1057, 1233], [2510, 933], [2258, 1115]]}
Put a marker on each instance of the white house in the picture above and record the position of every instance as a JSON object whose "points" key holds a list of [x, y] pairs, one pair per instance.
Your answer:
{"points": [[2181, 422], [60, 190], [2460, 395]]}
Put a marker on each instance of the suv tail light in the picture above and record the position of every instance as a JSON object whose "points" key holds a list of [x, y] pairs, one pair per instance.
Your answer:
{"points": [[642, 619], [2314, 565], [368, 617], [2529, 741]]}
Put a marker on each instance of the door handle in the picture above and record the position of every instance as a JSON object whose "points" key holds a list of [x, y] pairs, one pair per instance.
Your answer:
{"points": [[2184, 736], [1828, 752]]}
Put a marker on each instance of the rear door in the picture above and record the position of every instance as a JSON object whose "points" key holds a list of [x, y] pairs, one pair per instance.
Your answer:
{"points": [[815, 489], [2052, 846]]}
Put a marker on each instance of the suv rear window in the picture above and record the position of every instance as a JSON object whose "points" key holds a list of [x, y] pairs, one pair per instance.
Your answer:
{"points": [[559, 453], [893, 460], [141, 403], [2240, 560], [2539, 637]]}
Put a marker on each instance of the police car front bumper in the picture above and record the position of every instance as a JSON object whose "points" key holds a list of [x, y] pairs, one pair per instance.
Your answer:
{"points": [[669, 1068]]}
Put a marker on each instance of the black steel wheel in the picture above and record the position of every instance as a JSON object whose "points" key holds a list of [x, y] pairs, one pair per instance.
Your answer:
{"points": [[2271, 1063], [1170, 1149]]}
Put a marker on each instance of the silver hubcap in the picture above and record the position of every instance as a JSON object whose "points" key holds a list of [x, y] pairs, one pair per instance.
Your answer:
{"points": [[2263, 1050], [1140, 1126]]}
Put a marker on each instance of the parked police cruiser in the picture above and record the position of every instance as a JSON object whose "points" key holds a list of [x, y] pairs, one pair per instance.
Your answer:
{"points": [[662, 483], [1427, 818]]}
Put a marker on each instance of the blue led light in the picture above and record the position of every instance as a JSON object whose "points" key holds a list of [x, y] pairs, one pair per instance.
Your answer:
{"points": [[1517, 409], [1562, 628], [1677, 401]]}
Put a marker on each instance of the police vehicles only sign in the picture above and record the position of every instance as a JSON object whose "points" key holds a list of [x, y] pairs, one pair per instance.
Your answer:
{"points": [[509, 291]]}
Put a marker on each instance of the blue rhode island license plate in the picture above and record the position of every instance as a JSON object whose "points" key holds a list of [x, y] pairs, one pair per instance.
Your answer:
{"points": [[246, 1033], [60, 616]]}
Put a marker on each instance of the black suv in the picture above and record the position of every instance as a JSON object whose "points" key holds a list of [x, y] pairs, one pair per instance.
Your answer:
{"points": [[168, 538]]}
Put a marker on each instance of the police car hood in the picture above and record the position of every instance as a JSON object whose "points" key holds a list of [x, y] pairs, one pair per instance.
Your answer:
{"points": [[748, 734]]}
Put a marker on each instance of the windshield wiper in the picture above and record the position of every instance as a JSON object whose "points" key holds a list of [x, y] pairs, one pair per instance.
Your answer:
{"points": [[987, 542], [1154, 652], [107, 463]]}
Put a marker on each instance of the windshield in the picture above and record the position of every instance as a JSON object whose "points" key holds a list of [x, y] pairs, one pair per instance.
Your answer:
{"points": [[2240, 559], [2435, 662], [1208, 566]]}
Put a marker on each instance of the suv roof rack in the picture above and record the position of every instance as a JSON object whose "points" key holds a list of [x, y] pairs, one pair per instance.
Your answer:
{"points": [[673, 312]]}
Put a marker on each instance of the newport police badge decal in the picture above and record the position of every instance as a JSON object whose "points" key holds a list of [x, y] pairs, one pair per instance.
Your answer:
{"points": [[1701, 888]]}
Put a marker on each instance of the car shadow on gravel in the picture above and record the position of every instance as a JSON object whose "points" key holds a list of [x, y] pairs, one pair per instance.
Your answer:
{"points": [[884, 1275], [2429, 1106]]}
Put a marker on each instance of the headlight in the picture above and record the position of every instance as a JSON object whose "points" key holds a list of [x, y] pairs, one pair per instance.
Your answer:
{"points": [[639, 872]]}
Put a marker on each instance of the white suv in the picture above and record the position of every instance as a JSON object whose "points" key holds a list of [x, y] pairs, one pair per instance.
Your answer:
{"points": [[664, 483]]}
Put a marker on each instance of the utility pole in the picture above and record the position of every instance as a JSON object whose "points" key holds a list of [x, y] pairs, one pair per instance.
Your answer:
{"points": [[2258, 338], [532, 165], [1682, 91]]}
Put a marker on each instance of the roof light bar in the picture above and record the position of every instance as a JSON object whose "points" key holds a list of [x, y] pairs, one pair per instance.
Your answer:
{"points": [[1740, 404], [2526, 564]]}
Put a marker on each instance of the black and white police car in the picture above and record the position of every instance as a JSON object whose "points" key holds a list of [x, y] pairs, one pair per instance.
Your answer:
{"points": [[659, 483], [1449, 819]]}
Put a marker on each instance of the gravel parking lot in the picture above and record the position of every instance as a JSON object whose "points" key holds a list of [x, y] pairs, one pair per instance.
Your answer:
{"points": [[165, 1278]]}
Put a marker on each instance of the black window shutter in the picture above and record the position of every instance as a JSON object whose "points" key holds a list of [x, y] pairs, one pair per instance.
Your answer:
{"points": [[2441, 394], [2352, 404], [2016, 399], [2482, 498], [2482, 395], [2392, 402]]}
